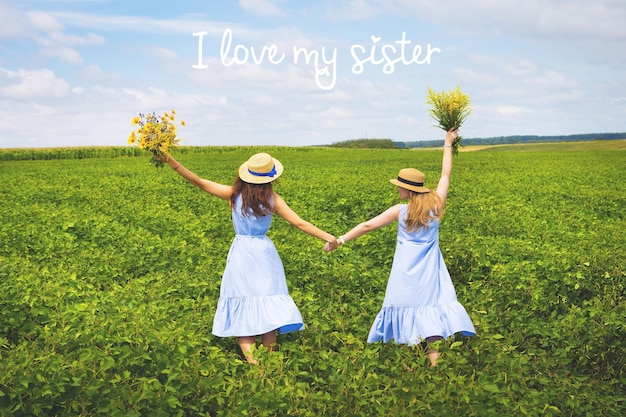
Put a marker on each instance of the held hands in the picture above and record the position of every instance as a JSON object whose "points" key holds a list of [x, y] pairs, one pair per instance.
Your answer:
{"points": [[330, 246]]}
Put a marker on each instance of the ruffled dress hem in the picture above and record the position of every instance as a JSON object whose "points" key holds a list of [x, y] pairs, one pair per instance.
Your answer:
{"points": [[412, 325], [256, 315]]}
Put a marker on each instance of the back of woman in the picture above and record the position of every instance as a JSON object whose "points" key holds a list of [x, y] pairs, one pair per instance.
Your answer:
{"points": [[248, 224], [420, 234], [254, 300], [420, 304]]}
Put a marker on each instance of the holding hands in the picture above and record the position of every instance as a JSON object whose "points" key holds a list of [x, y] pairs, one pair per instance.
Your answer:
{"points": [[331, 246], [392, 213]]}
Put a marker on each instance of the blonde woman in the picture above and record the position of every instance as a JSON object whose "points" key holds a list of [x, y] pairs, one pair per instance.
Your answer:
{"points": [[254, 300], [420, 304]]}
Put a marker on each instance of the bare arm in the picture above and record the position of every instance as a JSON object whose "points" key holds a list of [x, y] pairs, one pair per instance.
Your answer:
{"points": [[291, 217], [219, 190], [446, 165], [383, 219]]}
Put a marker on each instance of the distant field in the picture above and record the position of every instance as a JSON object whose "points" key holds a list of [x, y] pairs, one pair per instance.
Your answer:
{"points": [[110, 274], [606, 145], [114, 151], [598, 145]]}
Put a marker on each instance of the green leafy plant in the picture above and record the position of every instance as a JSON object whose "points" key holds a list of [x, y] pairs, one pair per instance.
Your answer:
{"points": [[106, 307]]}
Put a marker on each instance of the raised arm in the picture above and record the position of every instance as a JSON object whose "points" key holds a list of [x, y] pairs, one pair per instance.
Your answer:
{"points": [[292, 217], [446, 164], [219, 190]]}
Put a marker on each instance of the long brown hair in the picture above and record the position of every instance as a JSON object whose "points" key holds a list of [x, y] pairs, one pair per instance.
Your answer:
{"points": [[422, 208], [255, 197]]}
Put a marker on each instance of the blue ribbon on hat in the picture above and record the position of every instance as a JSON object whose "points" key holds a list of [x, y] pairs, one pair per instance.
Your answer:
{"points": [[263, 174]]}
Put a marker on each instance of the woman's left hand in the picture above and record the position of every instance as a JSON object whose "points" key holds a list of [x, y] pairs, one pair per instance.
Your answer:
{"points": [[330, 246], [162, 158]]}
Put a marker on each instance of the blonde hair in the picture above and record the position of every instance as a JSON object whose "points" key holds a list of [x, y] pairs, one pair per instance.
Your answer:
{"points": [[422, 208]]}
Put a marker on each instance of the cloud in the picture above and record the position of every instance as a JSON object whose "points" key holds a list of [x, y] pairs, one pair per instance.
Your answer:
{"points": [[93, 74], [263, 8], [76, 40], [25, 85], [44, 21], [355, 10], [144, 24], [71, 56], [80, 68], [238, 77], [508, 110], [49, 33], [13, 23], [551, 80], [576, 19], [165, 54], [554, 18]]}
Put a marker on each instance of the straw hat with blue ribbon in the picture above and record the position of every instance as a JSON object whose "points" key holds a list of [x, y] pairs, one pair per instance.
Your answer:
{"points": [[411, 179], [261, 168]]}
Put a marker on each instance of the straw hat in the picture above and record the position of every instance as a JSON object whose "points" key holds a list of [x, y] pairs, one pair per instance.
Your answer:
{"points": [[261, 168], [411, 179]]}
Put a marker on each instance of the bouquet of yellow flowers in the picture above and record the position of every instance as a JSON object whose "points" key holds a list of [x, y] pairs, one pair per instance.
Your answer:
{"points": [[450, 109], [156, 134]]}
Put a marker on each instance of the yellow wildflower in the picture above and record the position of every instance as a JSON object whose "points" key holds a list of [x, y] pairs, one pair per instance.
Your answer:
{"points": [[449, 109], [156, 134]]}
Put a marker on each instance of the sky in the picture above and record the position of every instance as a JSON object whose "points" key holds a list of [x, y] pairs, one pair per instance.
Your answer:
{"points": [[298, 73]]}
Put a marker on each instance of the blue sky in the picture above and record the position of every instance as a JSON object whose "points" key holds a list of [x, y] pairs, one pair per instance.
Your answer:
{"points": [[75, 72]]}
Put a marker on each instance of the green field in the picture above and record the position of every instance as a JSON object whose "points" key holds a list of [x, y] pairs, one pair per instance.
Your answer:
{"points": [[110, 274]]}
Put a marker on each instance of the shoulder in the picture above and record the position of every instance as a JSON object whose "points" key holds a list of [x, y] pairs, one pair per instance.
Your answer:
{"points": [[393, 212], [395, 209], [277, 199], [386, 217], [398, 208], [219, 190], [278, 203]]}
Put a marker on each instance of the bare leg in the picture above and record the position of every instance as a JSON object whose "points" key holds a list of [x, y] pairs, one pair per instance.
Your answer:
{"points": [[246, 343], [433, 355], [269, 340]]}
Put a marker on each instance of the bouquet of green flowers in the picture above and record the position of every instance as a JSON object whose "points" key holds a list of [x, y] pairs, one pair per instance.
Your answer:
{"points": [[449, 109], [156, 134]]}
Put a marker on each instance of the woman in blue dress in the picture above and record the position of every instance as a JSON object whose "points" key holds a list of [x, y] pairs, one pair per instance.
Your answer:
{"points": [[420, 302], [254, 300]]}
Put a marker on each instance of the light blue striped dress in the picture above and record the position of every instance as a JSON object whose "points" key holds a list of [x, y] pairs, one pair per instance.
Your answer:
{"points": [[253, 295], [420, 300]]}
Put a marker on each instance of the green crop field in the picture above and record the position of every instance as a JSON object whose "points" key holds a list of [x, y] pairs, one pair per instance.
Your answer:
{"points": [[110, 274]]}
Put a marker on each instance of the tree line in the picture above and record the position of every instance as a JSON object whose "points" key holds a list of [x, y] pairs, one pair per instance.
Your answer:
{"points": [[496, 140]]}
